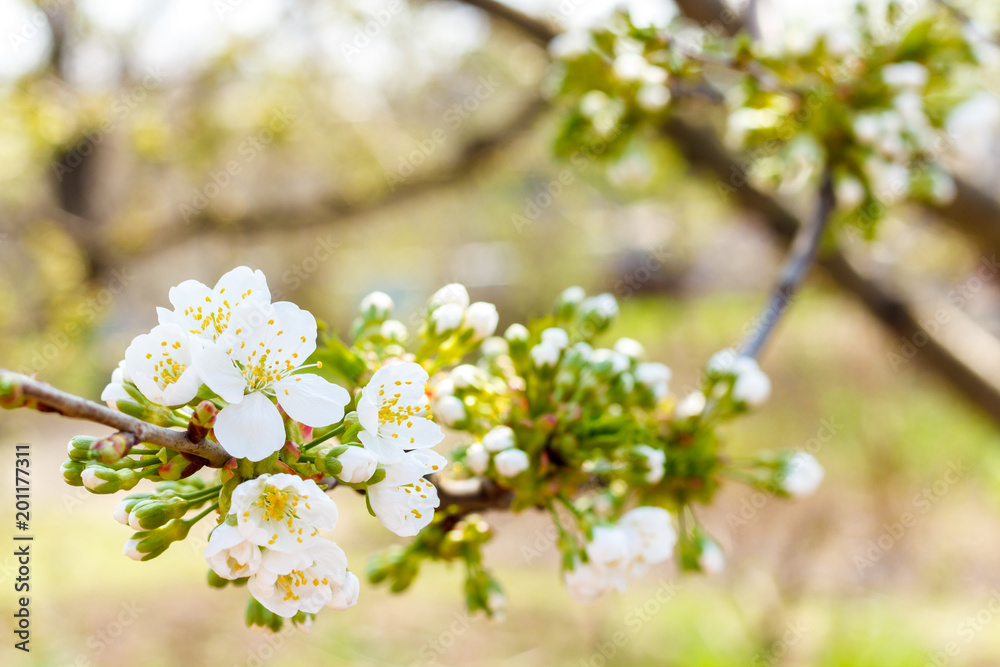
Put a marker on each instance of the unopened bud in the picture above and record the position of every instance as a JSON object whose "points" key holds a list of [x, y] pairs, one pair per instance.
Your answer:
{"points": [[111, 449]]}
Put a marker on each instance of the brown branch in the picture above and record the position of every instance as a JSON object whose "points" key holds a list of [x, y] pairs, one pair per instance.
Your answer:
{"points": [[17, 389], [954, 352], [801, 257]]}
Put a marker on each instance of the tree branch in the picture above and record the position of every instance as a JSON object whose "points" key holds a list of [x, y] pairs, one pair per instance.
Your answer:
{"points": [[17, 389], [800, 259]]}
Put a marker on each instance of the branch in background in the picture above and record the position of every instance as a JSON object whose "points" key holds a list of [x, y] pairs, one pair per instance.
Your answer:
{"points": [[800, 259], [286, 219], [16, 388], [961, 352]]}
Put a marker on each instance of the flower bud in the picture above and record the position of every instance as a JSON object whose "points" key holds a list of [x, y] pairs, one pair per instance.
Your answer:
{"points": [[511, 462], [557, 337], [499, 438], [357, 465], [155, 512], [181, 465], [79, 447], [598, 313], [752, 387], [149, 545], [394, 330], [653, 461], [454, 293], [449, 410], [73, 472], [493, 347], [655, 377], [447, 318], [111, 449], [376, 306], [691, 405], [482, 318], [477, 458], [569, 301], [545, 355], [631, 348], [801, 475], [101, 479], [467, 375], [202, 421], [121, 513]]}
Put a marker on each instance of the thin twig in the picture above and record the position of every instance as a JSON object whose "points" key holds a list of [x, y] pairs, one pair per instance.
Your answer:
{"points": [[801, 257], [50, 399]]}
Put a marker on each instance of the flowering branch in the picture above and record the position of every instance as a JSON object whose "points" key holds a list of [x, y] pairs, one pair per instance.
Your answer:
{"points": [[800, 259], [18, 390]]}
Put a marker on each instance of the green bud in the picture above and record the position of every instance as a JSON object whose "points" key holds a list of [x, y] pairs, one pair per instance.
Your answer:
{"points": [[149, 545], [257, 615], [330, 464], [79, 447], [11, 393], [568, 303], [377, 477], [111, 449], [101, 479], [72, 472], [155, 512], [215, 581]]}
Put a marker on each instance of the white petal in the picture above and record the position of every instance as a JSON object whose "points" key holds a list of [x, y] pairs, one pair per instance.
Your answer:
{"points": [[385, 452], [310, 399], [218, 371], [251, 429]]}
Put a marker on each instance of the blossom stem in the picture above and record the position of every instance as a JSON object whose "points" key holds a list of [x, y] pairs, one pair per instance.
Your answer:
{"points": [[208, 510], [202, 494], [800, 259], [336, 430]]}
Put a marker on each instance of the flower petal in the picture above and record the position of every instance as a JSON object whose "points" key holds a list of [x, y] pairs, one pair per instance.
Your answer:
{"points": [[310, 399], [251, 429], [383, 451], [218, 371], [414, 433]]}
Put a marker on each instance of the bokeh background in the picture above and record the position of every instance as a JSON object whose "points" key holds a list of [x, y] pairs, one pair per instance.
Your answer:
{"points": [[143, 143]]}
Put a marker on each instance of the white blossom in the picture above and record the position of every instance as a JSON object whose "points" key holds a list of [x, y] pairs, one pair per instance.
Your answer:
{"points": [[654, 534], [556, 336], [654, 460], [752, 387], [482, 318], [379, 304], [404, 501], [905, 75], [454, 293], [359, 465], [449, 409], [392, 412], [691, 405], [230, 554], [499, 438], [711, 560], [447, 318], [258, 358], [282, 512], [160, 365], [516, 332], [477, 458], [654, 376], [306, 580], [394, 330], [585, 583], [803, 474], [466, 375], [630, 347], [205, 312], [545, 354], [511, 462], [115, 390]]}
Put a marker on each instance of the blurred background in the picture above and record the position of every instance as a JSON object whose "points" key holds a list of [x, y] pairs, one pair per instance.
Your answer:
{"points": [[348, 146]]}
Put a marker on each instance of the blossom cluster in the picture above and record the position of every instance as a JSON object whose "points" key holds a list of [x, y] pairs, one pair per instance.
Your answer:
{"points": [[864, 106], [543, 416]]}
